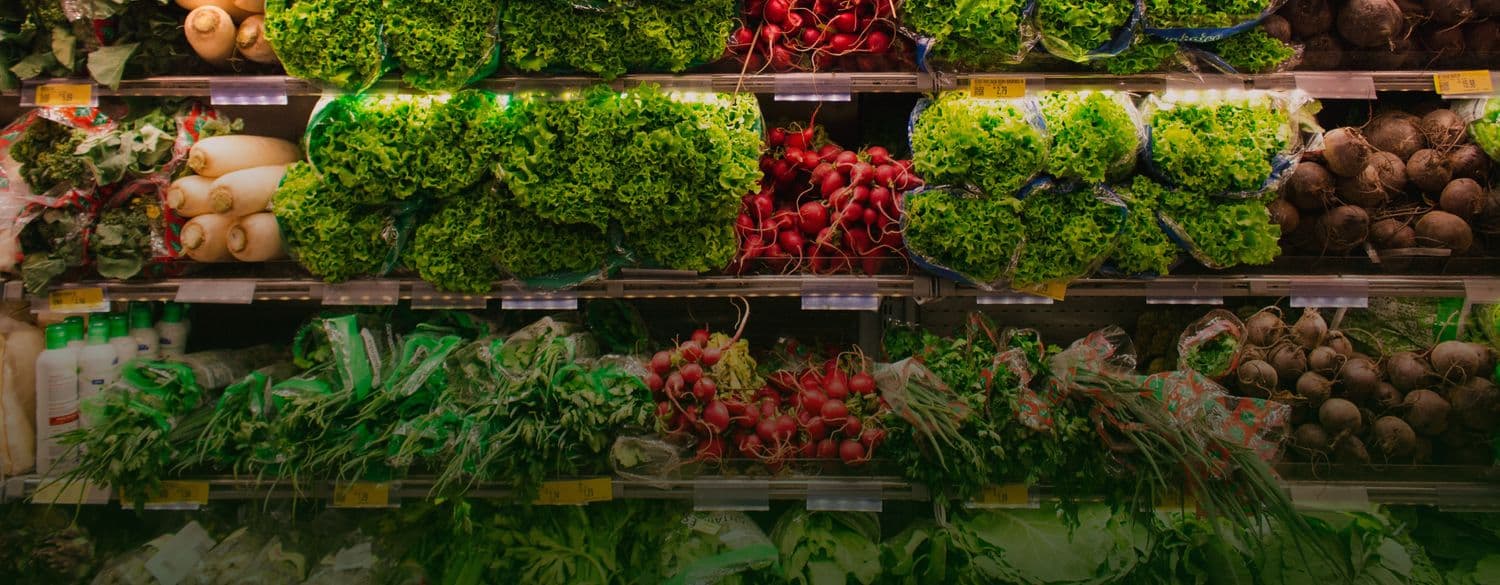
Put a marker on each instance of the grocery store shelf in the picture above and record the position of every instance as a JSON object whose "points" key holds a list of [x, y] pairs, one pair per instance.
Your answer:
{"points": [[1339, 84]]}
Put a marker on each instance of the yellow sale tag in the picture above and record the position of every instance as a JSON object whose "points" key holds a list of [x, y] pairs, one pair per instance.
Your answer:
{"points": [[77, 300], [58, 491], [1057, 291], [1464, 82], [1011, 494], [362, 495], [1176, 501], [995, 88], [576, 492], [65, 94], [178, 492]]}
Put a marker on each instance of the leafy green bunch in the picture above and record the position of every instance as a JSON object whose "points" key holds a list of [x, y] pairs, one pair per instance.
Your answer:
{"points": [[328, 235], [1143, 248], [441, 44], [820, 547], [1203, 13], [1254, 51], [530, 246], [971, 34], [47, 154], [336, 42], [52, 243], [976, 236], [548, 35], [1094, 135], [1485, 129], [667, 171], [993, 144], [1217, 146], [1219, 232], [142, 144], [1072, 28], [121, 242], [386, 149], [1145, 55], [1068, 233]]}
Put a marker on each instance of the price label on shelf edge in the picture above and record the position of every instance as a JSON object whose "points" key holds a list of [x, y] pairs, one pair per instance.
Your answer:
{"points": [[64, 95], [175, 495], [997, 88], [65, 492], [77, 300], [575, 492], [361, 494], [1464, 83], [1011, 495]]}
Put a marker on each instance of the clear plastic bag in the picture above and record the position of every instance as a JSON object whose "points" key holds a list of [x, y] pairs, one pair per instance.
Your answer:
{"points": [[704, 548], [940, 224], [1187, 130], [1071, 230], [334, 42], [1202, 28], [1483, 116], [995, 145], [1212, 345], [1124, 34], [952, 35]]}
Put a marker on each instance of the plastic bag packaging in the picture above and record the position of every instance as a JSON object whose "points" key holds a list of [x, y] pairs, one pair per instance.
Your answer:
{"points": [[332, 238], [443, 45], [997, 146], [1483, 116], [219, 368], [335, 42], [1190, 133], [1201, 22], [20, 344], [349, 566], [1252, 52], [1060, 12], [185, 549], [963, 235], [1213, 345], [246, 557], [1095, 136], [960, 35], [610, 39], [704, 548], [41, 162], [52, 238], [1071, 230]]}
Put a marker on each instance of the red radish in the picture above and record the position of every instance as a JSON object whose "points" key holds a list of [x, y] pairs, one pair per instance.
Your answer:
{"points": [[705, 389], [846, 22], [812, 35], [655, 382], [785, 428], [749, 419], [852, 452], [793, 22], [803, 416], [862, 384], [879, 155], [881, 199], [770, 33], [872, 437], [813, 400], [861, 174], [862, 193], [712, 449], [876, 42], [691, 352], [831, 184], [828, 449], [814, 217], [691, 373], [871, 216], [834, 412], [810, 380], [852, 215], [816, 428], [700, 337], [808, 450], [664, 410], [841, 43], [852, 427], [776, 10], [766, 430], [712, 355], [716, 416], [661, 363], [791, 242], [742, 37], [885, 175], [828, 152], [751, 444], [776, 138], [836, 389], [796, 140], [674, 385], [763, 206], [845, 160]]}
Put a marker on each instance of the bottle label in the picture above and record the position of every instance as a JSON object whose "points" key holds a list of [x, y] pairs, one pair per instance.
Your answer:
{"points": [[57, 421]]}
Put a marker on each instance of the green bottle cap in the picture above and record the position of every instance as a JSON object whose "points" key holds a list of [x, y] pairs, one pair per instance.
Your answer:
{"points": [[75, 328], [119, 326], [99, 331], [171, 313], [57, 336], [140, 316]]}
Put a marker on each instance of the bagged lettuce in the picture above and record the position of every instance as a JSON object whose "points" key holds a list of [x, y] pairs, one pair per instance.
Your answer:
{"points": [[995, 145], [969, 34], [334, 42], [442, 45]]}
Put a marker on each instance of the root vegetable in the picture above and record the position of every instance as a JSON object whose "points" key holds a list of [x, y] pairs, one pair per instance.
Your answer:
{"points": [[1383, 178], [188, 196], [1444, 230], [1394, 438], [1339, 416], [1457, 361], [1344, 228], [1370, 23], [206, 238], [1469, 161], [250, 40], [246, 191], [1428, 170], [1311, 438], [1252, 353], [1325, 361], [1311, 187], [1284, 214], [1309, 17], [1277, 28], [1426, 412], [1322, 52], [237, 9], [1463, 198], [1310, 329], [1265, 327], [1397, 133], [1392, 234], [1449, 12], [1350, 450], [219, 155], [210, 31], [1476, 404], [1443, 128], [256, 238], [1288, 359], [1256, 378], [1340, 343], [1409, 371], [251, 6], [1315, 389], [1387, 396], [1345, 151], [1359, 378]]}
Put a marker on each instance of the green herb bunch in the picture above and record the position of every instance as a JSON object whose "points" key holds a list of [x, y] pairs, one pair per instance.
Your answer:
{"points": [[441, 44], [1068, 233], [1218, 146], [970, 34], [336, 42], [1070, 29], [121, 242], [975, 236], [1203, 13], [992, 144], [328, 235], [548, 35], [1254, 51], [1094, 135]]}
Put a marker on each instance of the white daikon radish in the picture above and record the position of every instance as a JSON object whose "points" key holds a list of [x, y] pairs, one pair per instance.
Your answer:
{"points": [[210, 31], [214, 157], [22, 343], [251, 40], [233, 7], [256, 238], [206, 238], [188, 196], [246, 191], [256, 6]]}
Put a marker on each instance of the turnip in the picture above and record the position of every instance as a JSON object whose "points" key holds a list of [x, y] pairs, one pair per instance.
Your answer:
{"points": [[1386, 396], [1392, 234], [1463, 198], [1340, 343], [1469, 161], [1345, 151], [1265, 327], [1443, 128], [1359, 378], [210, 31], [1409, 371], [1350, 450], [1456, 361], [1256, 378], [219, 155], [1308, 17], [1311, 187], [1315, 389], [256, 238], [1310, 329], [1428, 170], [1288, 359], [1394, 438], [1343, 228], [1370, 23], [1339, 416], [189, 197], [250, 40], [1426, 412], [1325, 361], [1311, 439], [1476, 404], [1444, 230], [1397, 133]]}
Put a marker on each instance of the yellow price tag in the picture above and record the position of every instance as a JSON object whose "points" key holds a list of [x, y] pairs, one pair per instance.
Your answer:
{"points": [[1464, 82], [1176, 501], [175, 493], [576, 492], [362, 495], [77, 300], [996, 88], [65, 94], [1011, 494], [1057, 291], [59, 491]]}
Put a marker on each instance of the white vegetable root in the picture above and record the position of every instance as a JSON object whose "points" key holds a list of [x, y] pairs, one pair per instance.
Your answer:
{"points": [[206, 238], [246, 191], [256, 238], [220, 155], [251, 40], [210, 30], [188, 196]]}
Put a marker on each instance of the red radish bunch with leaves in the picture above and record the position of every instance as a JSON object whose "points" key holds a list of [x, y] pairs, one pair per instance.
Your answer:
{"points": [[823, 208], [836, 408], [818, 35]]}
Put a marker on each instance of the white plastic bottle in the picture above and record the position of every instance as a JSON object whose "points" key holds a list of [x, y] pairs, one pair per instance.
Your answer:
{"points": [[146, 339], [56, 397], [172, 332], [97, 363], [119, 337]]}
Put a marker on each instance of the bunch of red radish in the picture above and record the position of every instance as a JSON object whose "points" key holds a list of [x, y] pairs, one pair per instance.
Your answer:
{"points": [[823, 208], [818, 35], [832, 413]]}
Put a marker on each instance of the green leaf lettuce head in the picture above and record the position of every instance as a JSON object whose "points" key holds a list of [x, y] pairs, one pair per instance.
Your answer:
{"points": [[975, 236], [336, 42], [1145, 55], [330, 237], [530, 246], [384, 149], [1254, 51], [1143, 248], [970, 33], [441, 44], [1203, 13], [1485, 129], [1221, 233], [1068, 233], [992, 144], [1094, 135], [452, 250], [695, 246], [550, 35], [1218, 145], [1070, 29]]}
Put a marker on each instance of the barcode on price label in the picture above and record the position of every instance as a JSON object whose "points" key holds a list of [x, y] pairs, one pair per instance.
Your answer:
{"points": [[362, 495], [997, 88], [1464, 83], [575, 492], [175, 495], [77, 300], [65, 95]]}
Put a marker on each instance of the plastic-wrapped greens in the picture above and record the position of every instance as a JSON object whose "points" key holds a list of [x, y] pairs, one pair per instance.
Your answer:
{"points": [[995, 145], [969, 35], [1095, 135], [333, 239], [963, 235], [442, 45], [336, 42], [1235, 144], [1087, 30]]}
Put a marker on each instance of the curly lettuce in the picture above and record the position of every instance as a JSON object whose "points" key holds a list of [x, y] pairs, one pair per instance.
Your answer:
{"points": [[992, 144], [970, 33], [1068, 233], [1142, 247], [336, 42], [695, 246], [452, 250], [1145, 55], [530, 246], [1218, 146], [1220, 233], [1254, 51], [1071, 29], [330, 237], [1485, 128], [1203, 13], [549, 35], [1094, 135], [441, 44], [976, 237]]}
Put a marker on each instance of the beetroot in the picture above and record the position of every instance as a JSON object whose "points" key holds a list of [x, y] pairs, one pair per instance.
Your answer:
{"points": [[1308, 17], [1284, 214], [1457, 361], [1387, 396], [1359, 379], [1463, 198], [1265, 327], [1314, 388], [1476, 404], [1339, 416], [1322, 52], [1428, 170], [1343, 228], [1256, 378], [1311, 439], [1382, 178], [1345, 151], [1392, 234], [1288, 360], [1277, 28], [1310, 187], [1426, 412], [1350, 450], [1449, 12], [1469, 161], [1370, 23], [1444, 230], [1443, 128], [1396, 132], [1325, 361], [1394, 438], [1409, 371]]}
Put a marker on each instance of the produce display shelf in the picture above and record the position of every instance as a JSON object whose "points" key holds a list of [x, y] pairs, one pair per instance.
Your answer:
{"points": [[1320, 84], [1465, 492], [1187, 288]]}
